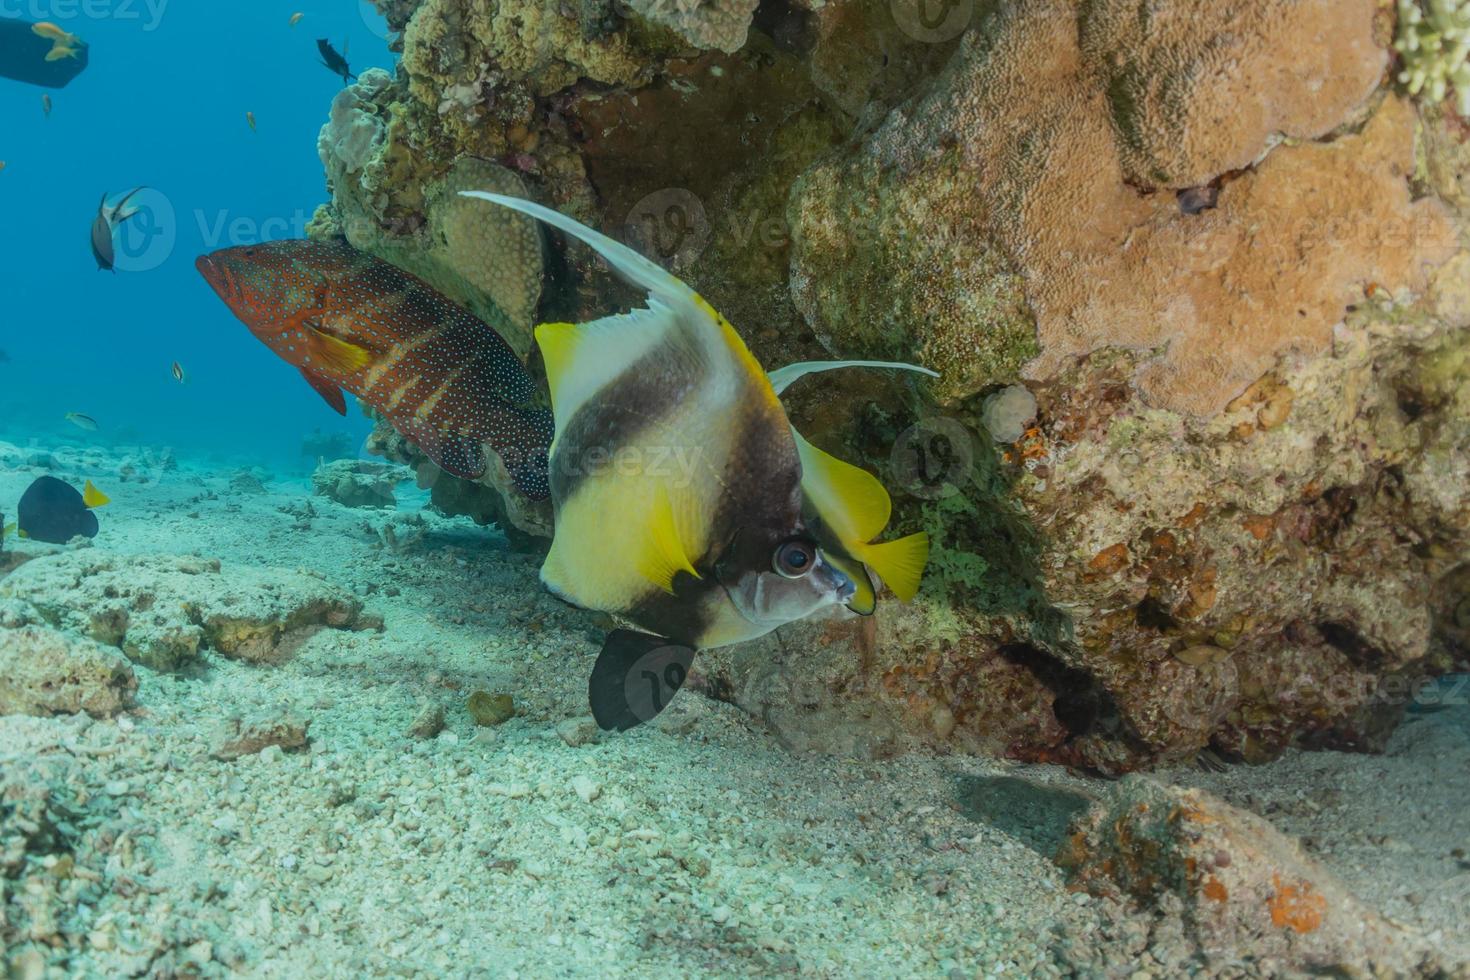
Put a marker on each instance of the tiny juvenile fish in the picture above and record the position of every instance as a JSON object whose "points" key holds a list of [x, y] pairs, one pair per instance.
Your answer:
{"points": [[82, 421], [53, 33], [104, 227], [250, 118], [719, 523], [177, 370], [346, 319], [335, 61], [46, 105], [296, 18]]}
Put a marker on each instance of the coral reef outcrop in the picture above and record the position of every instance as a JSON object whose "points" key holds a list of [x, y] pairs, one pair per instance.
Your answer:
{"points": [[1196, 470]]}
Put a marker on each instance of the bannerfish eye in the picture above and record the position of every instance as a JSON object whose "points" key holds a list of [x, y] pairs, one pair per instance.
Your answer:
{"points": [[795, 558]]}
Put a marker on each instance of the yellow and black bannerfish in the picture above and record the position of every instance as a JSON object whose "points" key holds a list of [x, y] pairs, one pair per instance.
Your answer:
{"points": [[685, 502]]}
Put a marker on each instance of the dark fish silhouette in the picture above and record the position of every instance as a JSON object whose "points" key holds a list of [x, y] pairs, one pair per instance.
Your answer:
{"points": [[335, 61], [441, 376], [55, 512], [105, 225]]}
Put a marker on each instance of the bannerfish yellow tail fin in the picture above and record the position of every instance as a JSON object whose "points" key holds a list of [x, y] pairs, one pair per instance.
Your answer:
{"points": [[782, 378], [666, 555], [93, 497], [898, 563], [336, 354], [627, 263], [849, 499], [854, 504]]}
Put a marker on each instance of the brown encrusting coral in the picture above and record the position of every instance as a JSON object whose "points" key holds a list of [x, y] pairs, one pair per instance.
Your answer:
{"points": [[1212, 243]]}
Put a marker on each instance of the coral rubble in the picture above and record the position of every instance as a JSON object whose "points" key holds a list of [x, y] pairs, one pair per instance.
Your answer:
{"points": [[161, 610]]}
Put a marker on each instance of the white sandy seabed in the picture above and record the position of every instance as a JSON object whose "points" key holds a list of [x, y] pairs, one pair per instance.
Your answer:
{"points": [[697, 846]]}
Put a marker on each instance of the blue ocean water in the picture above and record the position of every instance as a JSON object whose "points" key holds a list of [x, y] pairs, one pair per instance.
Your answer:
{"points": [[163, 103]]}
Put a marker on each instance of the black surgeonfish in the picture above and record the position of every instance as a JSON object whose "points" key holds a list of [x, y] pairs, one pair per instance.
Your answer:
{"points": [[335, 61], [54, 512], [685, 501]]}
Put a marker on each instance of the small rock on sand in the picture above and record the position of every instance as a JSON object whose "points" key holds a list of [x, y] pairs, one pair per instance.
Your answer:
{"points": [[428, 723], [236, 737], [577, 732]]}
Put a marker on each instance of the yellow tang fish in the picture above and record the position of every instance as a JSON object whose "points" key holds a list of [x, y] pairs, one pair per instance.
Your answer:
{"points": [[685, 502]]}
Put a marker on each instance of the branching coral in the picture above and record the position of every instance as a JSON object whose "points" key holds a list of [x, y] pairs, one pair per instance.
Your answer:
{"points": [[1434, 41]]}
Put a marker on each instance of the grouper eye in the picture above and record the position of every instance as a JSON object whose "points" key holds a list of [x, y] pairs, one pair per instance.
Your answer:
{"points": [[796, 558]]}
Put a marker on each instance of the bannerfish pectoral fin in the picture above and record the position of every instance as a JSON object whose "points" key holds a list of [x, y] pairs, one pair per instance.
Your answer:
{"points": [[782, 378], [329, 391], [635, 678], [667, 554], [336, 354], [93, 497]]}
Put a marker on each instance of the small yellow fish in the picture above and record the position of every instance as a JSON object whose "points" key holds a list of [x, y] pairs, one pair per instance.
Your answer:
{"points": [[61, 51], [2, 166], [7, 531], [296, 18], [250, 118], [53, 33], [46, 105], [82, 421], [93, 497]]}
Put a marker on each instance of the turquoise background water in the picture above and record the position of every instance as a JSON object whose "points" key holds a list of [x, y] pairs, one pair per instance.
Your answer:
{"points": [[163, 102]]}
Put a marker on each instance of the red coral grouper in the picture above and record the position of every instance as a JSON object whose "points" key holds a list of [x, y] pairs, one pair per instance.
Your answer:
{"points": [[441, 376]]}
